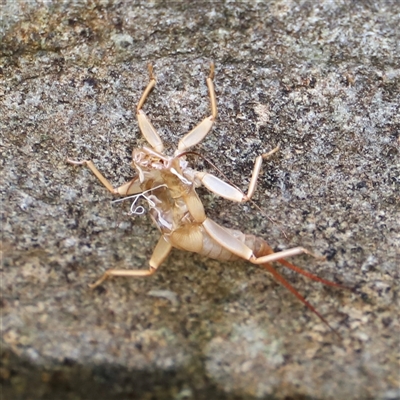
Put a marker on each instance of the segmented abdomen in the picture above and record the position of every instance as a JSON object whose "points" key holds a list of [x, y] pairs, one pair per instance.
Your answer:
{"points": [[213, 249]]}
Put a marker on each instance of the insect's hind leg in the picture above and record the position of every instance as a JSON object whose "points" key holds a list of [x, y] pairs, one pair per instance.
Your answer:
{"points": [[149, 88], [266, 250], [211, 91], [199, 132], [292, 290], [160, 253], [145, 126], [263, 256]]}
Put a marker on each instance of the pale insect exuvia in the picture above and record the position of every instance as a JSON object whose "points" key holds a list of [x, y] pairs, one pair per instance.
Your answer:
{"points": [[169, 185]]}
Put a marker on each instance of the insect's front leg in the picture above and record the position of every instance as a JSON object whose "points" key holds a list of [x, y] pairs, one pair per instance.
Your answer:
{"points": [[226, 190], [131, 187], [160, 253]]}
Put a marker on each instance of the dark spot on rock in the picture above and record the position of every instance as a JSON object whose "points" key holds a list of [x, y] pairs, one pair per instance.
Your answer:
{"points": [[100, 289], [124, 44], [386, 321], [330, 253], [364, 296], [114, 74], [118, 23], [91, 82], [139, 346], [361, 185], [69, 362]]}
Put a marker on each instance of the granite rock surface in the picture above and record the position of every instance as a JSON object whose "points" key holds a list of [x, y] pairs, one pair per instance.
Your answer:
{"points": [[322, 79]]}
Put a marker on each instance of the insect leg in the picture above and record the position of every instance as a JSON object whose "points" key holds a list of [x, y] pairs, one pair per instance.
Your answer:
{"points": [[224, 238], [256, 172], [234, 245], [268, 250], [160, 253], [149, 87], [197, 134], [292, 290], [211, 91], [295, 251], [131, 187], [230, 192], [146, 127]]}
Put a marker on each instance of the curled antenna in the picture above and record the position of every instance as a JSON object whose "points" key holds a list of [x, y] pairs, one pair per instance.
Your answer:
{"points": [[231, 183], [139, 210]]}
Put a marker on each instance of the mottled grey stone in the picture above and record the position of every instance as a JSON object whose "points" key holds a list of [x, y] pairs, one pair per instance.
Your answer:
{"points": [[322, 79]]}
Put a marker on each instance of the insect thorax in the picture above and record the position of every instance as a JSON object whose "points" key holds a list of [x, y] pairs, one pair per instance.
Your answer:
{"points": [[167, 181]]}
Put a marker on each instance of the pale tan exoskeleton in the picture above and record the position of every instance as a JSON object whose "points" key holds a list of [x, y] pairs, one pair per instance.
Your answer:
{"points": [[169, 186]]}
